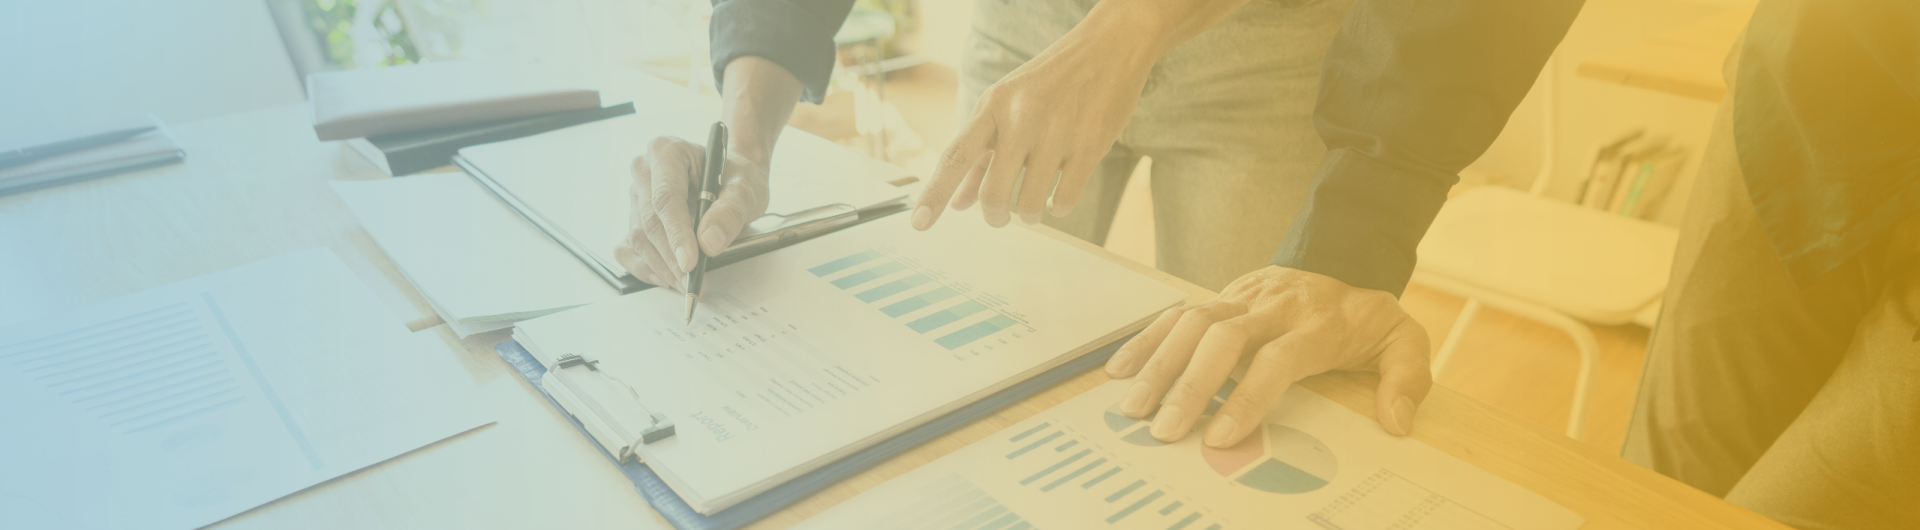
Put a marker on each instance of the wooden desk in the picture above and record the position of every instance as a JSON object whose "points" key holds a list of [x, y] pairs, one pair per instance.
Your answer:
{"points": [[1684, 62], [255, 185]]}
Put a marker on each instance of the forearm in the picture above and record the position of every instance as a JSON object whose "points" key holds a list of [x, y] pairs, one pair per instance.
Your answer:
{"points": [[759, 96]]}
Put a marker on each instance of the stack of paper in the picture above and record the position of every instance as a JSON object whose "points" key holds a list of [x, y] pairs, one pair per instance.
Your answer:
{"points": [[804, 355], [187, 404]]}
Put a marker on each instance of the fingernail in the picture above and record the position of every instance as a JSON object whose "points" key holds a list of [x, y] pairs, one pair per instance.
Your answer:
{"points": [[1115, 368], [713, 239], [1136, 402], [1059, 211], [1402, 416], [1220, 430], [1168, 426], [922, 217], [686, 257]]}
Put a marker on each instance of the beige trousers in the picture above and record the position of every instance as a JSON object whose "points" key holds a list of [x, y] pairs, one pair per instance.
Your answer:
{"points": [[1226, 117], [1799, 403]]}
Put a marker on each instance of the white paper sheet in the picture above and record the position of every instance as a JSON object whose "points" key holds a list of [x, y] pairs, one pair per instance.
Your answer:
{"points": [[817, 350], [186, 404], [1313, 464], [478, 263]]}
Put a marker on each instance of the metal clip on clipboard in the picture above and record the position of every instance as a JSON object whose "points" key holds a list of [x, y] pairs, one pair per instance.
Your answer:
{"points": [[609, 408]]}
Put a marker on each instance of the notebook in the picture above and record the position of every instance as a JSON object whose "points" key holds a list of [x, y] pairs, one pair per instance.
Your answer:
{"points": [[391, 99], [808, 354]]}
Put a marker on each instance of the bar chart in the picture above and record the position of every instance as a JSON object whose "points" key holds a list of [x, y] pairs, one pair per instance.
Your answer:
{"points": [[953, 502], [950, 314], [1065, 468]]}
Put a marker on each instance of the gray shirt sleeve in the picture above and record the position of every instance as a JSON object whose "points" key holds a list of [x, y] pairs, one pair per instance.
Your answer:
{"points": [[1410, 93], [796, 34]]}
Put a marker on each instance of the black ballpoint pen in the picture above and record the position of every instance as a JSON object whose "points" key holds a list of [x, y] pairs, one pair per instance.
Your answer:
{"points": [[699, 201]]}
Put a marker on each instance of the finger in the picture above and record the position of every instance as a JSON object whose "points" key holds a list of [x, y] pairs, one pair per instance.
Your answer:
{"points": [[663, 273], [740, 202], [627, 253], [635, 265], [1134, 353], [1073, 180], [1405, 378], [677, 164], [996, 189], [1275, 367], [659, 249], [961, 155], [969, 191], [1219, 350], [1037, 186], [1171, 357]]}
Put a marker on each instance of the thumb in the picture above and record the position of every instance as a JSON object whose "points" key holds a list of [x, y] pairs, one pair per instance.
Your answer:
{"points": [[1405, 378], [739, 203]]}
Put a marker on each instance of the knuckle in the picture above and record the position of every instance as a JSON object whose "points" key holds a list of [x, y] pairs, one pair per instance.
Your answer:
{"points": [[1186, 387]]}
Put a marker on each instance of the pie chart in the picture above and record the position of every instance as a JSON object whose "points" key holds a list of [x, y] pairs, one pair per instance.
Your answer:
{"points": [[1275, 459]]}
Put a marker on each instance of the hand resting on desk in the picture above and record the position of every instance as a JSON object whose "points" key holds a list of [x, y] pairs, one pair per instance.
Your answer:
{"points": [[1294, 324]]}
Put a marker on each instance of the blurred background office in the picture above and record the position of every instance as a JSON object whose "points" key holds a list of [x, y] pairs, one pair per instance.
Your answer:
{"points": [[1613, 127]]}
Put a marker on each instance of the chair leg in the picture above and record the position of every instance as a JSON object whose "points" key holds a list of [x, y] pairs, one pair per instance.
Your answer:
{"points": [[1589, 348], [1447, 347], [1582, 338]]}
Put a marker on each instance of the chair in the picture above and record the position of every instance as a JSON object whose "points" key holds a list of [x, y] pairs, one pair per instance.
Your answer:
{"points": [[1549, 261]]}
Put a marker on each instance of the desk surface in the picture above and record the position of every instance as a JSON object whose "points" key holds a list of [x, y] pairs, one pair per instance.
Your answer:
{"points": [[255, 185]]}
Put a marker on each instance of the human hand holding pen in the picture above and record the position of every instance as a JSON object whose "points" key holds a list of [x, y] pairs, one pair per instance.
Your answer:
{"points": [[663, 242], [662, 245]]}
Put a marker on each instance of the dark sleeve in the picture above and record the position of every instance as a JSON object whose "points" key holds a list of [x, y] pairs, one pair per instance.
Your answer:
{"points": [[1411, 92], [796, 34], [1826, 122]]}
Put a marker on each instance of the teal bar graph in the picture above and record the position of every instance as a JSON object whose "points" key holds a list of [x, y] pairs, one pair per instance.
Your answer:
{"points": [[912, 304], [892, 288], [842, 263], [947, 316], [851, 280], [974, 332], [952, 503], [1124, 512]]}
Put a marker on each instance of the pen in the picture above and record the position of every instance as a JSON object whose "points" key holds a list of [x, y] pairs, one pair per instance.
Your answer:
{"points": [[698, 202], [25, 155]]}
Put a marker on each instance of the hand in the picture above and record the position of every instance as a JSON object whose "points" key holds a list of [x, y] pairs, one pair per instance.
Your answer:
{"points": [[1295, 324], [1057, 114], [661, 247]]}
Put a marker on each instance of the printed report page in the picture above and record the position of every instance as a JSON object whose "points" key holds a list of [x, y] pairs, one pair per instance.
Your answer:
{"points": [[1083, 464], [814, 351]]}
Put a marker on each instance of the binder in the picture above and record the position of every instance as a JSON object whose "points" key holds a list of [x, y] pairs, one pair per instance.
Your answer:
{"points": [[683, 517], [405, 153]]}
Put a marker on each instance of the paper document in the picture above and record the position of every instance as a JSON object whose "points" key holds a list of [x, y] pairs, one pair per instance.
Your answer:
{"points": [[1082, 464], [473, 259], [811, 352], [183, 405], [577, 181]]}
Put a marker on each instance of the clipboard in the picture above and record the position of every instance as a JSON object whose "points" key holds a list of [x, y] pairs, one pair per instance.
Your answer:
{"points": [[683, 517]]}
